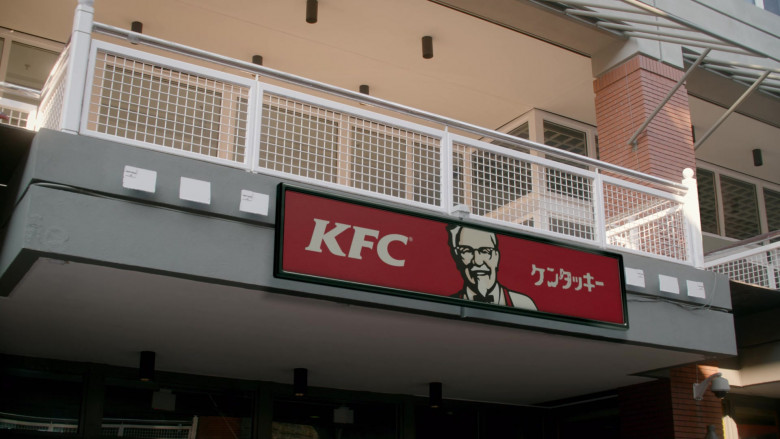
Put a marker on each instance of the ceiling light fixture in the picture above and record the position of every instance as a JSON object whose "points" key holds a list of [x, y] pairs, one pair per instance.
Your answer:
{"points": [[427, 47], [257, 59], [434, 395], [758, 158], [146, 366], [311, 11], [300, 381]]}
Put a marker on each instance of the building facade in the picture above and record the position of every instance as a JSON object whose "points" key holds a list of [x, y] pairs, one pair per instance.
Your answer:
{"points": [[406, 219]]}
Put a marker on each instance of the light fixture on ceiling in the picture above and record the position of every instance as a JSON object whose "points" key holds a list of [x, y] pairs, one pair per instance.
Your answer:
{"points": [[758, 158], [364, 89], [146, 366], [257, 59], [300, 381], [427, 47], [434, 395], [311, 11], [138, 28]]}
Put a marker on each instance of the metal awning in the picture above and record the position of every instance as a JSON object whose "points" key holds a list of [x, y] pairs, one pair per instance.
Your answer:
{"points": [[634, 19]]}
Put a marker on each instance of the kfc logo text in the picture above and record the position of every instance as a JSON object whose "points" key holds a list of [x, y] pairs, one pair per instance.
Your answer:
{"points": [[359, 241]]}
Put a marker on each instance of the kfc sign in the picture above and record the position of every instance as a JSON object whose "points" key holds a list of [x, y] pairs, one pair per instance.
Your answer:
{"points": [[331, 240], [359, 241]]}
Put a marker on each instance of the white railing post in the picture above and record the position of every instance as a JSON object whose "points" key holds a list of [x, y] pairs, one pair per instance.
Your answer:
{"points": [[75, 83], [599, 210], [692, 219], [446, 176]]}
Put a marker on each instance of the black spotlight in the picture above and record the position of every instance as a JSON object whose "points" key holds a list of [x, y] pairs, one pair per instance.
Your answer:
{"points": [[758, 158], [257, 59], [137, 27], [300, 381], [311, 11], [434, 395], [427, 47], [364, 89], [146, 366]]}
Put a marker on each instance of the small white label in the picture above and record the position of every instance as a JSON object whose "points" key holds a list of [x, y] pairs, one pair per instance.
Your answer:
{"points": [[198, 191], [253, 202], [696, 289], [635, 277], [139, 179], [668, 284]]}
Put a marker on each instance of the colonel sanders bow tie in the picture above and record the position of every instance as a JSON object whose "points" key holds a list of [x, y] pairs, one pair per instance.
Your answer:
{"points": [[485, 299]]}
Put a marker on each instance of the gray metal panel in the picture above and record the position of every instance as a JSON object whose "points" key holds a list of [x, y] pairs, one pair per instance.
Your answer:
{"points": [[104, 231]]}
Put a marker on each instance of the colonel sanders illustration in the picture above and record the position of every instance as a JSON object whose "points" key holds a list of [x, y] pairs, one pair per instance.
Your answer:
{"points": [[476, 255]]}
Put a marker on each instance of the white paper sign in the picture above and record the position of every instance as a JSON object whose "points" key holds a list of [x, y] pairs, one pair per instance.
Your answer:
{"points": [[139, 179], [198, 191], [696, 289], [253, 202], [668, 284], [635, 277]]}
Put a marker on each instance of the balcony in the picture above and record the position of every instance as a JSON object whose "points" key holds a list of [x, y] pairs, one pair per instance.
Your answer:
{"points": [[213, 108], [755, 261]]}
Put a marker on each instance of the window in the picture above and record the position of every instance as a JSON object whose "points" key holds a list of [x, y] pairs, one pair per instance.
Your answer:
{"points": [[772, 6], [560, 187], [772, 207], [134, 412], [736, 206], [740, 208], [708, 204], [26, 61], [323, 419], [35, 401], [28, 65]]}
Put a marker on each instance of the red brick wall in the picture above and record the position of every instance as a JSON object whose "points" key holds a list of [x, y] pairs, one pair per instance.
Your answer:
{"points": [[665, 409], [625, 97], [692, 417]]}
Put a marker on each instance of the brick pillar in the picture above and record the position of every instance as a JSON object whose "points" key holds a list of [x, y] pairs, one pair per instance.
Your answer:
{"points": [[625, 96], [692, 417]]}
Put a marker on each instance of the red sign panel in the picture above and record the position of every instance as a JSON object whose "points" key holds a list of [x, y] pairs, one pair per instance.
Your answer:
{"points": [[372, 248]]}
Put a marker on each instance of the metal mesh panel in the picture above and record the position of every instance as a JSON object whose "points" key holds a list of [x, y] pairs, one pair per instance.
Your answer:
{"points": [[510, 189], [10, 421], [152, 429], [317, 143], [761, 269], [53, 96], [740, 208], [708, 204], [644, 222], [167, 108], [156, 432]]}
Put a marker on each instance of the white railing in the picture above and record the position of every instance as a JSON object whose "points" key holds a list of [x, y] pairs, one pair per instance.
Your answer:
{"points": [[754, 263], [135, 428], [410, 156], [13, 421]]}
